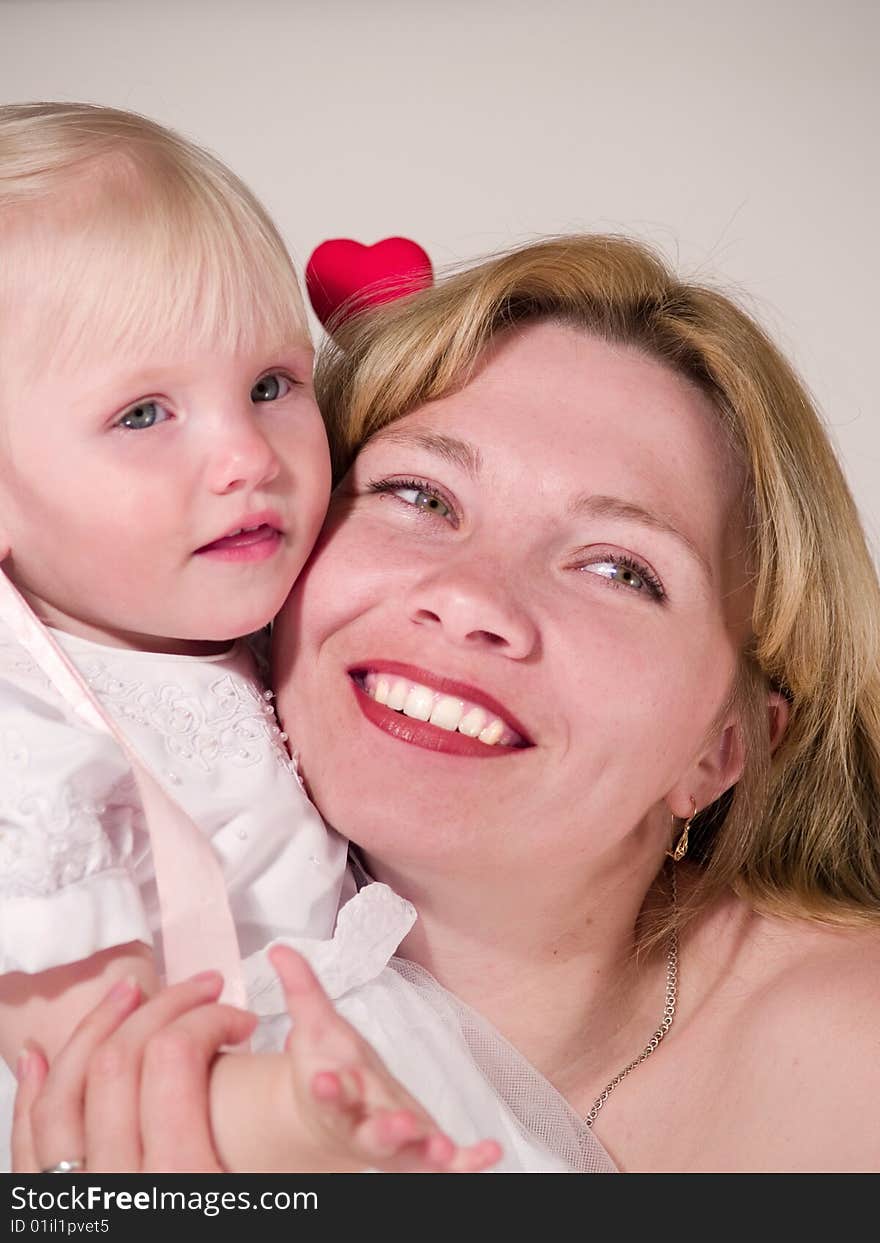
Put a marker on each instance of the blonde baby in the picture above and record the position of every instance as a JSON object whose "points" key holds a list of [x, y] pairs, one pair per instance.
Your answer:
{"points": [[164, 473]]}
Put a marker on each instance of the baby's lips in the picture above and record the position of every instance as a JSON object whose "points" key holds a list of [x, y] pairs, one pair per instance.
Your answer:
{"points": [[344, 277]]}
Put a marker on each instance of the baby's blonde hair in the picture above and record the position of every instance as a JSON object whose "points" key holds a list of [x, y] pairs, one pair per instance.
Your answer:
{"points": [[113, 224], [801, 834]]}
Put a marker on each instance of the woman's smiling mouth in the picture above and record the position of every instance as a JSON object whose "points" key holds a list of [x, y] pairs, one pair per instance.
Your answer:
{"points": [[435, 713]]}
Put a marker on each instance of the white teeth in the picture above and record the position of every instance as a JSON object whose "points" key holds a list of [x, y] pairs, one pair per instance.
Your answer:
{"points": [[492, 733], [397, 695], [445, 711], [419, 703], [472, 722]]}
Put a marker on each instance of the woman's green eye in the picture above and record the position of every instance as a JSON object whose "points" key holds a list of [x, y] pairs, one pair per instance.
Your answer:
{"points": [[620, 573], [623, 571], [270, 388], [145, 414], [425, 500]]}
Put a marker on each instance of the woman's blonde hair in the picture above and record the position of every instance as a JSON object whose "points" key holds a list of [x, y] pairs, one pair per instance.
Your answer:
{"points": [[114, 225], [800, 834]]}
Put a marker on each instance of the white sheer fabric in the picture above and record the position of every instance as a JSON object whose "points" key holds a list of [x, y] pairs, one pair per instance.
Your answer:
{"points": [[471, 1080], [539, 1110]]}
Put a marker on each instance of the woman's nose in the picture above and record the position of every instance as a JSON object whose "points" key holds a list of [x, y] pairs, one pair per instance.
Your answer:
{"points": [[242, 456], [474, 606]]}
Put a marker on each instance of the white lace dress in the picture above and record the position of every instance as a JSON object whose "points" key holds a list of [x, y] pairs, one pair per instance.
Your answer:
{"points": [[76, 873]]}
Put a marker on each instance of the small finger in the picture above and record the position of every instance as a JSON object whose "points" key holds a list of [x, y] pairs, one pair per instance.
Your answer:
{"points": [[327, 1088], [439, 1150], [31, 1072], [342, 1088], [399, 1142], [174, 1094], [387, 1133], [475, 1158], [306, 999]]}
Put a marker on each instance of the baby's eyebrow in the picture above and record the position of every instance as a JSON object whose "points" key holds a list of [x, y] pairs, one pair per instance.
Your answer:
{"points": [[616, 507], [459, 452]]}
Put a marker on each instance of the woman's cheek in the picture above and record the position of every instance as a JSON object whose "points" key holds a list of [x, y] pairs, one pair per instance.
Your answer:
{"points": [[366, 562]]}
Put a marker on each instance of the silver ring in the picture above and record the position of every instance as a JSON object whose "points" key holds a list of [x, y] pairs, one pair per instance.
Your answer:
{"points": [[65, 1167]]}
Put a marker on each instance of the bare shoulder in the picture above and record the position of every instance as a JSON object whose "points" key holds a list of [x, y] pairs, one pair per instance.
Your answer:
{"points": [[779, 1047], [824, 971], [789, 969], [814, 1043]]}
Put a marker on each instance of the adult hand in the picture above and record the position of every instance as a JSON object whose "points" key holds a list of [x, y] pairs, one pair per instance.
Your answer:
{"points": [[129, 1090]]}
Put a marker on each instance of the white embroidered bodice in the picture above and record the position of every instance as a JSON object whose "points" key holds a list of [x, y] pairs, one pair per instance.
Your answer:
{"points": [[75, 870]]}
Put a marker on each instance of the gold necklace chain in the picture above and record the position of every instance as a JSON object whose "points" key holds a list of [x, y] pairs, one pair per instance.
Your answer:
{"points": [[666, 1021]]}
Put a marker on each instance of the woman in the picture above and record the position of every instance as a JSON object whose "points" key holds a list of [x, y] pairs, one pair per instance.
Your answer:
{"points": [[593, 592]]}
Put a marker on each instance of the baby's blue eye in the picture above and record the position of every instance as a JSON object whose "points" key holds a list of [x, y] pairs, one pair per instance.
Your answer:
{"points": [[145, 414], [270, 388]]}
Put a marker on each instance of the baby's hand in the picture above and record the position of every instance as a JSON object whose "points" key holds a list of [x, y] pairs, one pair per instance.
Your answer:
{"points": [[352, 1111]]}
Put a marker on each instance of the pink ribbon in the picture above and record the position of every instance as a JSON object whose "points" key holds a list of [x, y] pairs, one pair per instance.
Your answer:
{"points": [[198, 930]]}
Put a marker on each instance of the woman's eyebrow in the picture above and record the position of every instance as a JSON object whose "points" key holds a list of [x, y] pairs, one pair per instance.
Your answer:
{"points": [[615, 507], [450, 448]]}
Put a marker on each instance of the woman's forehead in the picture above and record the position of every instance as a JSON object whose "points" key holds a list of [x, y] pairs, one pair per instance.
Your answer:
{"points": [[553, 395]]}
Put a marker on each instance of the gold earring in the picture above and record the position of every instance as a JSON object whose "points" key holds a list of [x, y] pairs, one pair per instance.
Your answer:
{"points": [[680, 848]]}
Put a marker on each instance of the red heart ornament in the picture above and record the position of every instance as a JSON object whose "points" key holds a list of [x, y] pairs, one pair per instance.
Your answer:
{"points": [[344, 277]]}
